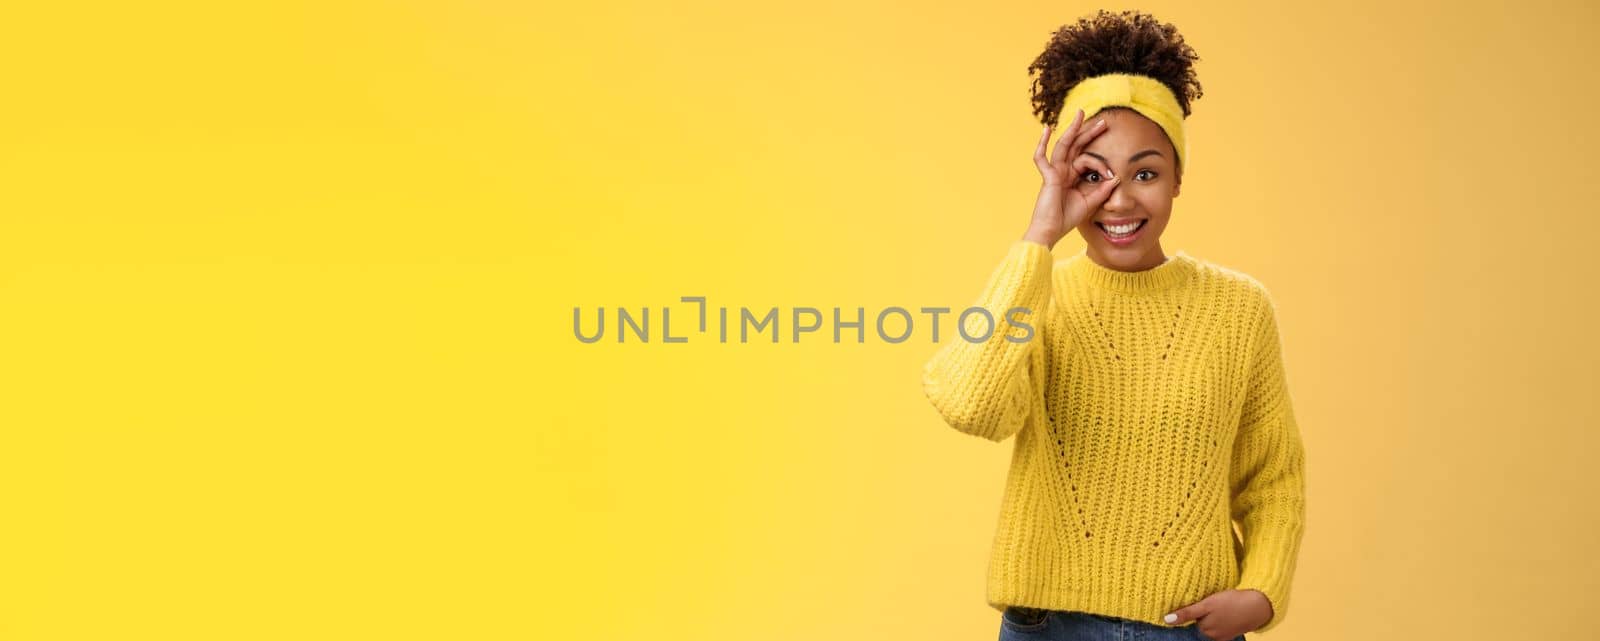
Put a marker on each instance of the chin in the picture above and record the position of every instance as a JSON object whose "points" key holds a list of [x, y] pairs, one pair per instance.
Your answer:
{"points": [[1124, 257]]}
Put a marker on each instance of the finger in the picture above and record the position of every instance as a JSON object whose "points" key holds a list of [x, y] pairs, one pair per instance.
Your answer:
{"points": [[1067, 136], [1082, 141], [1194, 610], [1069, 161], [1100, 195], [1085, 133], [1177, 617], [1038, 152], [1086, 162]]}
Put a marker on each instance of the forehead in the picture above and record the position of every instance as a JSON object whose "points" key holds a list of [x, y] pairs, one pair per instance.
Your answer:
{"points": [[1127, 132]]}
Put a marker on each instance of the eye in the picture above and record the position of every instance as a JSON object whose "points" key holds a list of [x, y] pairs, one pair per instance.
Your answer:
{"points": [[1146, 171], [1085, 176]]}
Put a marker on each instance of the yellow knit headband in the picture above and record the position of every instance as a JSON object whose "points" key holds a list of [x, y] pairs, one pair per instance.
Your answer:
{"points": [[1143, 94]]}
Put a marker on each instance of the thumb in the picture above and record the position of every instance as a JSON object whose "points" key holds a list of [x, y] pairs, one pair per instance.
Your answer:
{"points": [[1100, 195], [1190, 612]]}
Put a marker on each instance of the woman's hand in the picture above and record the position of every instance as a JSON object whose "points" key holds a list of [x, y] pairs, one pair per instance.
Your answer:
{"points": [[1226, 614], [1061, 207]]}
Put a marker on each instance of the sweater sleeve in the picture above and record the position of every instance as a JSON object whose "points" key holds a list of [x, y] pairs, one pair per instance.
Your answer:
{"points": [[987, 387], [1268, 473]]}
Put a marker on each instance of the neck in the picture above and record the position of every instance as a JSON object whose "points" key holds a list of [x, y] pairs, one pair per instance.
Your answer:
{"points": [[1171, 272], [1150, 260]]}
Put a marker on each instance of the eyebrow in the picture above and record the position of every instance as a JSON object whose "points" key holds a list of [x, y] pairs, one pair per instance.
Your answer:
{"points": [[1147, 152]]}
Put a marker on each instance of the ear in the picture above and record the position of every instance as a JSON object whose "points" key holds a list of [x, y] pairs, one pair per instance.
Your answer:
{"points": [[1177, 185]]}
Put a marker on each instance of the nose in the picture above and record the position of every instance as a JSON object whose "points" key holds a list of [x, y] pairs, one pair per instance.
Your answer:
{"points": [[1117, 201]]}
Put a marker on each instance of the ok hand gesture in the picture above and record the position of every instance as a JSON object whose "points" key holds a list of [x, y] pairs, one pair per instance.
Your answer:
{"points": [[1060, 206]]}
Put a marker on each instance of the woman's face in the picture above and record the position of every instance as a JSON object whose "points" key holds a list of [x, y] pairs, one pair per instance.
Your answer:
{"points": [[1137, 150]]}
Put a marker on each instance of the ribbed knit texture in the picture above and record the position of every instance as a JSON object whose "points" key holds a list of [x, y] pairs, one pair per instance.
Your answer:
{"points": [[1151, 411]]}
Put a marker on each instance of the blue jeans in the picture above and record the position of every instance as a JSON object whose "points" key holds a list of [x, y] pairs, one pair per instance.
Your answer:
{"points": [[1030, 624]]}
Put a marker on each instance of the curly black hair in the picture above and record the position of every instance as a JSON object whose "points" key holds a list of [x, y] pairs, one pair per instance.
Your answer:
{"points": [[1130, 42]]}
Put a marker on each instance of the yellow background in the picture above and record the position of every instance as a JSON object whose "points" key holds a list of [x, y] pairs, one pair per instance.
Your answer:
{"points": [[288, 291]]}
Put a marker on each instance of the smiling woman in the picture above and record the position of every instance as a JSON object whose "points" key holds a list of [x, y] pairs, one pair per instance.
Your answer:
{"points": [[1136, 113], [1128, 235], [1152, 415]]}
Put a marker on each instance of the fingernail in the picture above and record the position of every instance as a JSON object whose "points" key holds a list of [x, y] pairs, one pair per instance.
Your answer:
{"points": [[1171, 618]]}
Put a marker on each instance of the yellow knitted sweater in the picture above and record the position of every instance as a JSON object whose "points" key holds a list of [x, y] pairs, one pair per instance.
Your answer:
{"points": [[1151, 412]]}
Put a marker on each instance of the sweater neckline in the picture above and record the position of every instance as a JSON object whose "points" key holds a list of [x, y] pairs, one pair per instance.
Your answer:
{"points": [[1177, 269]]}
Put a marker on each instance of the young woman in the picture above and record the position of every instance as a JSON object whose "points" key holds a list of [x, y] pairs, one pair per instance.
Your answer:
{"points": [[1151, 409]]}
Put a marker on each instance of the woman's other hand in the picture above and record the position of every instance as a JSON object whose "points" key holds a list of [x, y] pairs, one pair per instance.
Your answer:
{"points": [[1060, 207], [1226, 614]]}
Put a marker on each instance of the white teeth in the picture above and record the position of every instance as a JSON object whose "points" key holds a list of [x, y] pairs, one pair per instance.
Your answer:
{"points": [[1122, 230]]}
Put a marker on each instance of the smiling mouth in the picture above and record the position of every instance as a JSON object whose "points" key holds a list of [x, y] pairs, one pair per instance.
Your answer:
{"points": [[1122, 232]]}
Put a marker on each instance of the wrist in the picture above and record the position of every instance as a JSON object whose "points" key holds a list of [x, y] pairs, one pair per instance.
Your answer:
{"points": [[1266, 604], [1042, 237]]}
